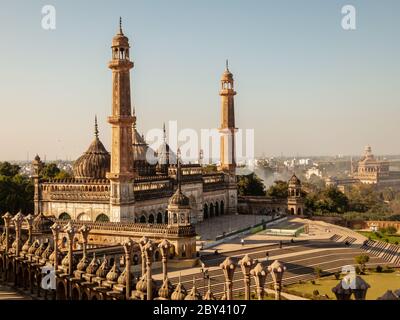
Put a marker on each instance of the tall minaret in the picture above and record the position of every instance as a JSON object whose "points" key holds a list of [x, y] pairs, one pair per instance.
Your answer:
{"points": [[121, 120], [227, 129]]}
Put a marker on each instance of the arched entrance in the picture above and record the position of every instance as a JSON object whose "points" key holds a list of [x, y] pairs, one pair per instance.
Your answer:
{"points": [[61, 291], [212, 213], [216, 209], [102, 218], [222, 207], [151, 218], [159, 217], [64, 216], [142, 219], [75, 294], [205, 211]]}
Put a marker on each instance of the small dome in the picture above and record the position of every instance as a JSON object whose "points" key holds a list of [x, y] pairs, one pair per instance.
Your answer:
{"points": [[47, 253], [94, 163], [103, 270], [294, 180], [122, 278], [93, 266], [140, 147], [179, 199], [114, 273], [83, 264], [179, 292], [39, 251], [166, 290], [193, 294], [33, 247]]}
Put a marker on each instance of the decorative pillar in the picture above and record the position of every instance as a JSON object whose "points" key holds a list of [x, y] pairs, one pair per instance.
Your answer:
{"points": [[142, 243], [277, 269], [55, 228], [70, 231], [18, 219], [164, 247], [149, 250], [7, 221], [128, 249], [84, 230], [260, 276], [29, 219], [228, 267], [246, 264]]}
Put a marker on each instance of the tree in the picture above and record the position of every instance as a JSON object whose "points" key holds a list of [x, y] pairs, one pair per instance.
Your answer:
{"points": [[9, 170], [328, 200], [362, 260], [50, 171], [251, 185], [278, 190]]}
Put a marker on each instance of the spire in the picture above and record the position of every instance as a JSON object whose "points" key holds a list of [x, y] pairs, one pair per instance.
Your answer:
{"points": [[120, 26], [178, 171], [227, 65], [164, 133], [96, 129]]}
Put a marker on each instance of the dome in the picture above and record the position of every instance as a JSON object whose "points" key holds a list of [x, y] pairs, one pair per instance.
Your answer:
{"points": [[179, 199], [83, 264], [93, 266], [122, 278], [47, 253], [165, 290], [114, 273], [140, 147], [193, 294], [294, 180], [179, 292], [120, 40], [103, 270], [95, 162]]}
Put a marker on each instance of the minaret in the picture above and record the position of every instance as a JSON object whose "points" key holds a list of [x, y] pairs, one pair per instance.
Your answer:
{"points": [[228, 131], [121, 120], [227, 128], [37, 165]]}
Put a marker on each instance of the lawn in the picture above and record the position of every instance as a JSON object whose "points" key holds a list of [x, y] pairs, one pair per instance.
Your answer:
{"points": [[394, 239], [379, 282]]}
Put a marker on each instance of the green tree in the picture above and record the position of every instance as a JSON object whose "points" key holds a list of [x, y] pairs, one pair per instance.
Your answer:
{"points": [[328, 200], [251, 185], [278, 190], [16, 194], [50, 171], [9, 170], [362, 260]]}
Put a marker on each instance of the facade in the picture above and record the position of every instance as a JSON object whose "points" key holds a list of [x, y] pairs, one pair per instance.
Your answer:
{"points": [[122, 186], [368, 170]]}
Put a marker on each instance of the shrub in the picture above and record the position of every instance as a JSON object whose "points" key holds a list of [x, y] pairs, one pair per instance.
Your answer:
{"points": [[379, 269], [315, 293], [358, 270], [318, 272], [313, 282]]}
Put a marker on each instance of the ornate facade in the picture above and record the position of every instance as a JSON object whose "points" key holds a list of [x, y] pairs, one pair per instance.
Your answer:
{"points": [[123, 186]]}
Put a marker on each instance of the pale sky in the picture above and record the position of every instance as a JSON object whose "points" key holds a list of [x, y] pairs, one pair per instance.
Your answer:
{"points": [[305, 85]]}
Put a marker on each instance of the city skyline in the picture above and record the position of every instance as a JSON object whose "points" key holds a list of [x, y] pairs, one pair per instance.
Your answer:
{"points": [[309, 91]]}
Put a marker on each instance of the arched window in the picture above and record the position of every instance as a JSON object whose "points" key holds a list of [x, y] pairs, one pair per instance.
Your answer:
{"points": [[64, 216], [222, 208], [211, 210], [216, 209], [142, 219], [166, 216], [151, 218], [84, 217], [102, 218], [159, 217]]}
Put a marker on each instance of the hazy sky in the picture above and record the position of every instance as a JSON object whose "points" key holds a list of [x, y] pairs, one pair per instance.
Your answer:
{"points": [[304, 84]]}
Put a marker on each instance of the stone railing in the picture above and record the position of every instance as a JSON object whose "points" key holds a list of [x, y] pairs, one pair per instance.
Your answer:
{"points": [[131, 228]]}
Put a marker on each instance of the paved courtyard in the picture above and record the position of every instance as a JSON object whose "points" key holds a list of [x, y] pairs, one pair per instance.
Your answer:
{"points": [[7, 293]]}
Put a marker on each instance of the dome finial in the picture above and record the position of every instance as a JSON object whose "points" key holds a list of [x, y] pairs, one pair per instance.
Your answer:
{"points": [[96, 128], [164, 133], [120, 25], [227, 65], [178, 172]]}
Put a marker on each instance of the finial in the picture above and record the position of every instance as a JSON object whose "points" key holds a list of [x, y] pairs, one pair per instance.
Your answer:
{"points": [[96, 129], [178, 170], [165, 133], [120, 25], [227, 65]]}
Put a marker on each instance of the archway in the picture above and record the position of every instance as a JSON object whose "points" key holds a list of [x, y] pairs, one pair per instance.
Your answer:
{"points": [[205, 211], [64, 216], [166, 217], [222, 207], [291, 210], [159, 218], [142, 219], [299, 211], [151, 218], [102, 218], [216, 209], [211, 210]]}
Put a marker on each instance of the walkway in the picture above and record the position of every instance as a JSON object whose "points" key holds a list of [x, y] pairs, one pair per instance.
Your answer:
{"points": [[7, 293]]}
